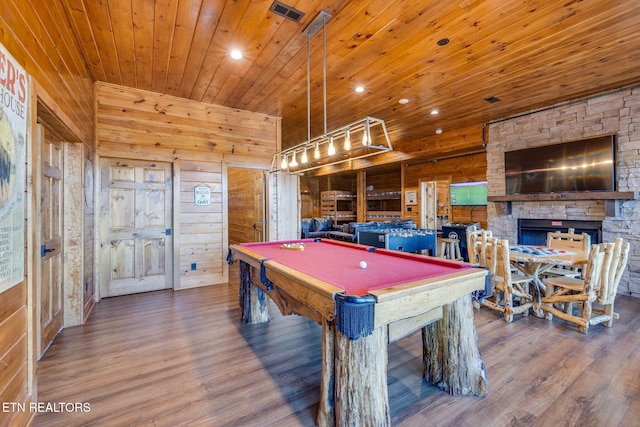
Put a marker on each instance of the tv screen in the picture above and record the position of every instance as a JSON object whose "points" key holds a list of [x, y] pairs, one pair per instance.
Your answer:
{"points": [[468, 193], [585, 165]]}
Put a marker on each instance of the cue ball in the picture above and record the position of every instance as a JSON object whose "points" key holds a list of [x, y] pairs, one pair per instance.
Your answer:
{"points": [[363, 265]]}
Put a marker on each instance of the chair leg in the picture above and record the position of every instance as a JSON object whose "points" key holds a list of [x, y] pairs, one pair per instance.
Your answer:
{"points": [[586, 315], [508, 306], [608, 310]]}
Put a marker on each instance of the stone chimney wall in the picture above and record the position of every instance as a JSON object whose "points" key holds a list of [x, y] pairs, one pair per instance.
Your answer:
{"points": [[613, 113]]}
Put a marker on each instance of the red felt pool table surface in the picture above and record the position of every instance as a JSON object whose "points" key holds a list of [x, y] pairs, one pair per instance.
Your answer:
{"points": [[338, 264]]}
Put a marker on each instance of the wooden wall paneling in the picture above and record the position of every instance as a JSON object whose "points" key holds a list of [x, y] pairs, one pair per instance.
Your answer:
{"points": [[73, 274], [140, 123], [202, 235], [14, 348]]}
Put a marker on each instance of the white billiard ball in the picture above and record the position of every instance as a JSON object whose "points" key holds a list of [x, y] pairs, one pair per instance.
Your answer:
{"points": [[363, 264]]}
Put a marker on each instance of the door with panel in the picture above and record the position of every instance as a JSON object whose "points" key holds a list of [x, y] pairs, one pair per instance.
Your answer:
{"points": [[50, 289], [135, 226]]}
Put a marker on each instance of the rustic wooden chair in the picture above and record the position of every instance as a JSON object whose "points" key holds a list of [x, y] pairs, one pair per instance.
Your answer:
{"points": [[595, 293], [511, 292], [570, 242]]}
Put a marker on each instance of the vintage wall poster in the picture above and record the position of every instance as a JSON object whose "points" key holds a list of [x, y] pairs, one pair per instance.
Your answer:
{"points": [[13, 130]]}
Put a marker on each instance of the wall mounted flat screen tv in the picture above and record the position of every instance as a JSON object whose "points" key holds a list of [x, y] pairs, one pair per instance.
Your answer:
{"points": [[468, 193], [584, 165]]}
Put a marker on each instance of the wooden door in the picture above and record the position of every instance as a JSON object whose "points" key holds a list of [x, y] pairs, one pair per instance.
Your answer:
{"points": [[429, 205], [246, 205], [135, 226], [50, 290]]}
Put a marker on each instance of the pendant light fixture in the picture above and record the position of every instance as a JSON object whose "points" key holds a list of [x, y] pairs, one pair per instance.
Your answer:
{"points": [[349, 151]]}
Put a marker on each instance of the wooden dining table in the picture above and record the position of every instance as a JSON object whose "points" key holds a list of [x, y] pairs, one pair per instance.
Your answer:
{"points": [[534, 261]]}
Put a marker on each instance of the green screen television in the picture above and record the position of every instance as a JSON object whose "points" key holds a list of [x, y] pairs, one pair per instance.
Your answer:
{"points": [[468, 193]]}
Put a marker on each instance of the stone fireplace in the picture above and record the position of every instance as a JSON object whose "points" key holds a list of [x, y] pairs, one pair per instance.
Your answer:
{"points": [[618, 212]]}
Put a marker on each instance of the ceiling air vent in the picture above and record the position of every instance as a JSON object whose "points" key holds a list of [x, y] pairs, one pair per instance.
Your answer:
{"points": [[286, 11]]}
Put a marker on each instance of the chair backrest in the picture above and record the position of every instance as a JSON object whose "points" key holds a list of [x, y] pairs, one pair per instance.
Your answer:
{"points": [[475, 245], [593, 273], [569, 241], [502, 262], [612, 269]]}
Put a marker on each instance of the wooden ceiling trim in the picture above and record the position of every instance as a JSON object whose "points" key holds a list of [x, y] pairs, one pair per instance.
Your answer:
{"points": [[217, 49], [231, 73], [259, 57], [542, 49], [190, 53], [122, 19], [143, 21], [79, 18], [98, 15], [288, 68], [188, 43], [56, 46], [278, 52], [34, 49], [163, 28]]}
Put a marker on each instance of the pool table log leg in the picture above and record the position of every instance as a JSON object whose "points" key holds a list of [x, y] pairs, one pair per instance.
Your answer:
{"points": [[452, 358], [361, 396], [326, 408], [253, 301]]}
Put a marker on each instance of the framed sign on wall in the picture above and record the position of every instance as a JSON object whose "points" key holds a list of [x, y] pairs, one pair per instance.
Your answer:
{"points": [[13, 137], [202, 195]]}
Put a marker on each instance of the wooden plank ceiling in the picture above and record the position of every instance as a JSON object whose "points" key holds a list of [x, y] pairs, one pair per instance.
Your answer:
{"points": [[530, 54]]}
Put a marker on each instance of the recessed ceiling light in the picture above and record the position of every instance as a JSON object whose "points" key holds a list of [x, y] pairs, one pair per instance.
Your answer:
{"points": [[359, 89], [438, 131], [403, 101], [492, 99], [236, 54], [435, 111]]}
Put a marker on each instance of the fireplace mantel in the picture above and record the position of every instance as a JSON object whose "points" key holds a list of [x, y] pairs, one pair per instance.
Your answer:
{"points": [[552, 197], [611, 199]]}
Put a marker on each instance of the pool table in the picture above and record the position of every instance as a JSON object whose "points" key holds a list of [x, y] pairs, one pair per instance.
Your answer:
{"points": [[361, 309]]}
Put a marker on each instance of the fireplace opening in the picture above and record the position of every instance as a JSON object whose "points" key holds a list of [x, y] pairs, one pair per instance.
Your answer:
{"points": [[534, 231]]}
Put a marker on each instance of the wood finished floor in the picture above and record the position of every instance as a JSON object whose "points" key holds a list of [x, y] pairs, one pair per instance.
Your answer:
{"points": [[182, 358]]}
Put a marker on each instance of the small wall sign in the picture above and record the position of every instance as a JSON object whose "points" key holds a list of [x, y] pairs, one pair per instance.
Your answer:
{"points": [[410, 198], [202, 195]]}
